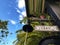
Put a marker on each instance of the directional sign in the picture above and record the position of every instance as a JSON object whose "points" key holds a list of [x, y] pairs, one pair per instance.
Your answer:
{"points": [[46, 28]]}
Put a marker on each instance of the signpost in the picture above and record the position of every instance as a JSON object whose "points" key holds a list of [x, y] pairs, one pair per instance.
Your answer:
{"points": [[46, 28]]}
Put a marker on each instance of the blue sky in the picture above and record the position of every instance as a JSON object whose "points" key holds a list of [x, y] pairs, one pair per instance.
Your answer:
{"points": [[12, 11]]}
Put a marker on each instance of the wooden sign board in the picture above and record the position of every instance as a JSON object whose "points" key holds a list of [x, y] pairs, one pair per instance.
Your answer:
{"points": [[46, 28]]}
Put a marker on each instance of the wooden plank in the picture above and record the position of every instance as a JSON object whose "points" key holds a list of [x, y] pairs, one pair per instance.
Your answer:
{"points": [[47, 28], [38, 19]]}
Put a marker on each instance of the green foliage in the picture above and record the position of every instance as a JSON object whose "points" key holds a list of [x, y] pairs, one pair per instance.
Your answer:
{"points": [[3, 29], [24, 20], [33, 38], [18, 31], [35, 23], [3, 24]]}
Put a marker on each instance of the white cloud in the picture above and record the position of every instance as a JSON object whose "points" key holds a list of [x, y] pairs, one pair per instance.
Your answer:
{"points": [[24, 13], [23, 23], [20, 17], [21, 3], [12, 21], [18, 11]]}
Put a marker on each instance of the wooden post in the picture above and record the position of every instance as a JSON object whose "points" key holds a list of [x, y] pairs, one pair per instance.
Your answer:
{"points": [[30, 4], [39, 7], [34, 4], [43, 3]]}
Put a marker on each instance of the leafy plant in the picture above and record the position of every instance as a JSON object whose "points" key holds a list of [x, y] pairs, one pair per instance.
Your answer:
{"points": [[3, 29], [24, 20], [33, 38]]}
